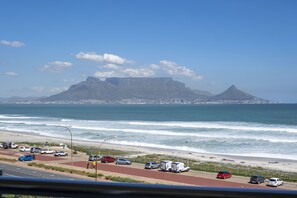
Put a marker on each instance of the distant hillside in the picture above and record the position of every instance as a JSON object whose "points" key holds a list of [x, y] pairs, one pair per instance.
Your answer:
{"points": [[17, 99], [145, 91], [113, 89], [234, 94]]}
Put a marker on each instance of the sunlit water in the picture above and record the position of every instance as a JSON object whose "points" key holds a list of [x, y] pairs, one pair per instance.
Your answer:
{"points": [[245, 130]]}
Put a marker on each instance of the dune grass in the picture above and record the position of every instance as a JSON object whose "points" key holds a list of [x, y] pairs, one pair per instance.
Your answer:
{"points": [[240, 170]]}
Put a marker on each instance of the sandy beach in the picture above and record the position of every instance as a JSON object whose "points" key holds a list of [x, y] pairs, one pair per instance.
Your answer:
{"points": [[268, 163]]}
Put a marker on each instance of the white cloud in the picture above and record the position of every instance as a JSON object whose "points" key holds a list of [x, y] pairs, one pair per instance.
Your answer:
{"points": [[12, 43], [126, 72], [48, 90], [110, 58], [110, 66], [105, 74], [114, 59], [174, 69], [142, 72], [10, 74], [56, 66], [92, 56]]}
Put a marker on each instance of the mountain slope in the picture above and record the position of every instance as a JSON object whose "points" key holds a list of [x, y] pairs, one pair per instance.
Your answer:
{"points": [[126, 88], [234, 94]]}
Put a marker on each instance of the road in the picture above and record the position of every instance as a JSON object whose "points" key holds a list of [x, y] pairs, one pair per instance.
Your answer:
{"points": [[16, 171]]}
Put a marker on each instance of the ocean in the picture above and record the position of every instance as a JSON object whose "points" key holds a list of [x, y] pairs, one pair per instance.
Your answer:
{"points": [[241, 130]]}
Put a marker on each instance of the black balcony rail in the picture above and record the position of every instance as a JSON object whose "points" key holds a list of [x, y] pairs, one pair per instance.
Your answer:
{"points": [[76, 188]]}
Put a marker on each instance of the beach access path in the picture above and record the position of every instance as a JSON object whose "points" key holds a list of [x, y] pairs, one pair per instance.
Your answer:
{"points": [[136, 171]]}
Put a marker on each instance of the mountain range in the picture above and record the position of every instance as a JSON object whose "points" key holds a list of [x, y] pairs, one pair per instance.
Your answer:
{"points": [[132, 90]]}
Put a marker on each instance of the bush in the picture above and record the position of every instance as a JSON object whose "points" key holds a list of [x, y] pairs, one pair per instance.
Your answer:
{"points": [[123, 179]]}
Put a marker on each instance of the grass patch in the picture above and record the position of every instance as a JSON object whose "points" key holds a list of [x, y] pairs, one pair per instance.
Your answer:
{"points": [[215, 167], [123, 179], [94, 150], [7, 159], [59, 169], [37, 144], [84, 173]]}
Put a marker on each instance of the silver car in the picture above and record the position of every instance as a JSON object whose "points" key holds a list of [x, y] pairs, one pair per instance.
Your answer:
{"points": [[123, 161], [151, 165]]}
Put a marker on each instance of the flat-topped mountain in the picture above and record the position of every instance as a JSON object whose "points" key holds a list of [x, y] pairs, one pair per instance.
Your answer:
{"points": [[145, 90], [113, 89]]}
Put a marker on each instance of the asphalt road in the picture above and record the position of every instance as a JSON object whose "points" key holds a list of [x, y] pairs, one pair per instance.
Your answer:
{"points": [[16, 171]]}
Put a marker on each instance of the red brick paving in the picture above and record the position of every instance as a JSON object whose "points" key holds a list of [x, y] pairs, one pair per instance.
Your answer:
{"points": [[174, 177], [43, 157]]}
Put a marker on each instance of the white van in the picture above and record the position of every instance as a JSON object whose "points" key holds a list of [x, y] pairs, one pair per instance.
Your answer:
{"points": [[178, 167], [165, 165]]}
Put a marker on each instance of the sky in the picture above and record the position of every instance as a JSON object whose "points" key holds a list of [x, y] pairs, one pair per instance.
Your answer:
{"points": [[46, 46]]}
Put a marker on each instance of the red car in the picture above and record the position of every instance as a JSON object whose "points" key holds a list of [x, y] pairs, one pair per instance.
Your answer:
{"points": [[107, 159], [224, 175]]}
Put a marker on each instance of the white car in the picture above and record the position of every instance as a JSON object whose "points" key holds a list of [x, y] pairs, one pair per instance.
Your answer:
{"points": [[60, 153], [275, 182], [25, 149], [47, 151]]}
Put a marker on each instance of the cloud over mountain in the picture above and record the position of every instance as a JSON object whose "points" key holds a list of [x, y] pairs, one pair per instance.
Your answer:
{"points": [[109, 58]]}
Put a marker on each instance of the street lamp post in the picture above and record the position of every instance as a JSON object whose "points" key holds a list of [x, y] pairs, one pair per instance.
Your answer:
{"points": [[98, 153], [70, 144], [187, 153]]}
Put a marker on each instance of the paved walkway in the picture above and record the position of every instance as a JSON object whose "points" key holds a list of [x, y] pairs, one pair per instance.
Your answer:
{"points": [[175, 177]]}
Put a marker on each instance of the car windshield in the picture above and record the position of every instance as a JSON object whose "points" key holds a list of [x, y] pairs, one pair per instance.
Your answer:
{"points": [[197, 93]]}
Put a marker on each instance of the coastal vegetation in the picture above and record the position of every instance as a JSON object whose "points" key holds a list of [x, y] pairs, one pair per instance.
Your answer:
{"points": [[239, 170], [84, 173], [214, 167], [7, 159]]}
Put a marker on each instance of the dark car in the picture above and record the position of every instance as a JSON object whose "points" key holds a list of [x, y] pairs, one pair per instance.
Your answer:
{"points": [[107, 159], [4, 145], [122, 161], [257, 179], [151, 165], [26, 158], [94, 158], [35, 150], [224, 175]]}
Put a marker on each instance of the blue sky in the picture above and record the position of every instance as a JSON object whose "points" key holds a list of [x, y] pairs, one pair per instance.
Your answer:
{"points": [[45, 46]]}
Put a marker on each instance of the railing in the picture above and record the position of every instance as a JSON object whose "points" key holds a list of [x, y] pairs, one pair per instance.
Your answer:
{"points": [[77, 188]]}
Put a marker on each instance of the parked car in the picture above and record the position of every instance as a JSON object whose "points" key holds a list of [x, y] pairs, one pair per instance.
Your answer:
{"points": [[122, 161], [46, 151], [35, 150], [4, 145], [107, 159], [27, 158], [275, 182], [60, 153], [257, 179], [165, 165], [13, 145], [179, 167], [223, 175], [94, 158], [151, 165], [25, 149]]}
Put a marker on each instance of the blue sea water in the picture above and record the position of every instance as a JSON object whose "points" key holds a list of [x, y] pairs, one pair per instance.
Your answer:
{"points": [[244, 130]]}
